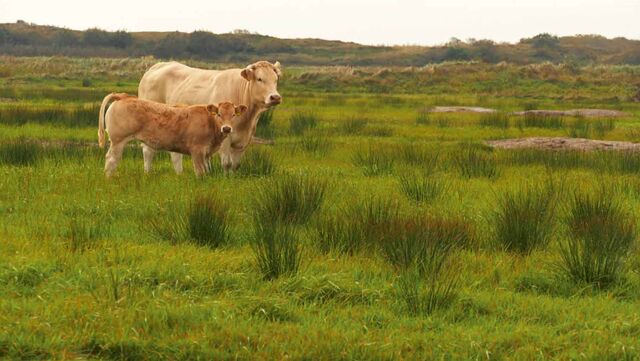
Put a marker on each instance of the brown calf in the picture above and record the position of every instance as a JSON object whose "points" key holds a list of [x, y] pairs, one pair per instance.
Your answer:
{"points": [[197, 130]]}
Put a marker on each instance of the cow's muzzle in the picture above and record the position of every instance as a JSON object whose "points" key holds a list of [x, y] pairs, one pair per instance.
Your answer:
{"points": [[226, 129], [275, 99]]}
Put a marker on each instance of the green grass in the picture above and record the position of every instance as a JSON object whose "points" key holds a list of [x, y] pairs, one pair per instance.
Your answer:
{"points": [[601, 233], [342, 264]]}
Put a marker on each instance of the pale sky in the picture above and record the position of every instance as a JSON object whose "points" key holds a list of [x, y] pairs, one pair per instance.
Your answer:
{"points": [[364, 21]]}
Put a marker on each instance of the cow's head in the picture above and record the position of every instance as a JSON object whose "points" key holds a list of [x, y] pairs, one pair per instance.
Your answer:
{"points": [[224, 114], [263, 77]]}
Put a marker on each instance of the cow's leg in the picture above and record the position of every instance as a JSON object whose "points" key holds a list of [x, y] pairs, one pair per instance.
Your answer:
{"points": [[235, 159], [148, 153], [199, 161], [225, 161], [113, 157], [176, 160]]}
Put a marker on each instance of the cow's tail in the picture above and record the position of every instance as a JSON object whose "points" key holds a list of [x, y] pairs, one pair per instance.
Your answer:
{"points": [[105, 102]]}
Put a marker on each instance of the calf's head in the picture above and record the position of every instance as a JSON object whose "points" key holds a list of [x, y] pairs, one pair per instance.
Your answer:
{"points": [[224, 115], [263, 77]]}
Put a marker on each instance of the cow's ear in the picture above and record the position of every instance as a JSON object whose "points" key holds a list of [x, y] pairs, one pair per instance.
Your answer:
{"points": [[247, 73], [240, 109], [212, 109], [278, 68]]}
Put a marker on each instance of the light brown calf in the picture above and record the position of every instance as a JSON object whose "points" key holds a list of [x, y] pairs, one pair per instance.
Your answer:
{"points": [[197, 130]]}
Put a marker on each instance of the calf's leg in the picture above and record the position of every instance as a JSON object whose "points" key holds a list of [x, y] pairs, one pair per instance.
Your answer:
{"points": [[148, 154], [176, 160], [113, 157], [199, 166]]}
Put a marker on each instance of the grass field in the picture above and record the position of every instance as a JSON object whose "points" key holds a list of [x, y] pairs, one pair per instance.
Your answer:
{"points": [[370, 230]]}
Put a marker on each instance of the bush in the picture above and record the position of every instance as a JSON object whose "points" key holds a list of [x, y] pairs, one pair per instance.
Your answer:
{"points": [[524, 220], [476, 161], [300, 122], [374, 160], [290, 198], [276, 249], [601, 233]]}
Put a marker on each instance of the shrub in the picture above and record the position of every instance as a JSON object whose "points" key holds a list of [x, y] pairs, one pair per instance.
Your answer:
{"points": [[476, 161], [276, 249], [291, 198], [600, 235], [374, 160], [301, 122], [524, 220]]}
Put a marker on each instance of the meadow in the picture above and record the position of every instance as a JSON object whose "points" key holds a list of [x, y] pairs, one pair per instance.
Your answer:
{"points": [[371, 229]]}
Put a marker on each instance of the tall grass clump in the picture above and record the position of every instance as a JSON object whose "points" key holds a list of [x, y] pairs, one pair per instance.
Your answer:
{"points": [[524, 219], [265, 126], [422, 188], [420, 251], [601, 233], [542, 121], [20, 153], [60, 115], [361, 226], [276, 248], [257, 163], [315, 144], [82, 235], [473, 160], [583, 128], [301, 122], [422, 157], [290, 198], [354, 125], [495, 120], [379, 131], [423, 118], [375, 160], [204, 222]]}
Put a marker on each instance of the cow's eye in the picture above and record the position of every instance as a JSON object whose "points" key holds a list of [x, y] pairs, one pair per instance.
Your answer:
{"points": [[259, 79]]}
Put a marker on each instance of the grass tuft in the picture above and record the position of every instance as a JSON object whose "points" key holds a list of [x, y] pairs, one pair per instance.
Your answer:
{"points": [[276, 248], [524, 220], [20, 153], [375, 160], [474, 160], [600, 235], [290, 198], [300, 122], [422, 188]]}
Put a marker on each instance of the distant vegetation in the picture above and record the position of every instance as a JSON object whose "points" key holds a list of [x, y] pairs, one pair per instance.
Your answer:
{"points": [[24, 39]]}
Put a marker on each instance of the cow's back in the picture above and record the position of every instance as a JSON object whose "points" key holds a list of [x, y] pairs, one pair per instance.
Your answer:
{"points": [[176, 83]]}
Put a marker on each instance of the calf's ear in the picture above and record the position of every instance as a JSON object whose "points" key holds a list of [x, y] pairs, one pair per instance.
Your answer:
{"points": [[212, 108], [278, 68], [241, 109], [247, 73]]}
